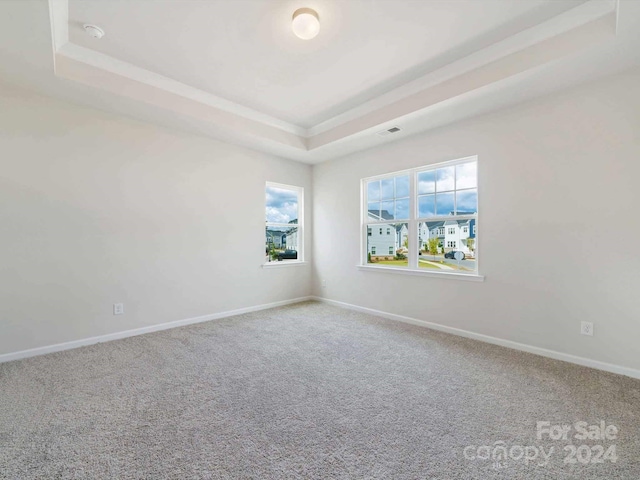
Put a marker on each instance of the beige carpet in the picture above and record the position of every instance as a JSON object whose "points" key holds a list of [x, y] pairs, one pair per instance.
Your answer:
{"points": [[308, 391]]}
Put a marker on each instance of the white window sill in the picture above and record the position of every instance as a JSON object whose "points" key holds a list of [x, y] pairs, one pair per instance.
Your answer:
{"points": [[283, 263], [469, 277]]}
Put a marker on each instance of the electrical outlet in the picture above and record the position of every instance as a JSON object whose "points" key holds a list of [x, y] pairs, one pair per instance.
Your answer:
{"points": [[118, 308], [586, 328]]}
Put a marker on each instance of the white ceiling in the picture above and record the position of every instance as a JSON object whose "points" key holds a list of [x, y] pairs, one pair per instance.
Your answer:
{"points": [[245, 51], [232, 69]]}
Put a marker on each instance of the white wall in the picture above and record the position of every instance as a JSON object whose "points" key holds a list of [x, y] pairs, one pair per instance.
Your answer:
{"points": [[557, 177], [97, 209]]}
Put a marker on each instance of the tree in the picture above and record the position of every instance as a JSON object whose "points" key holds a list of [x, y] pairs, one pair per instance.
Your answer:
{"points": [[433, 246]]}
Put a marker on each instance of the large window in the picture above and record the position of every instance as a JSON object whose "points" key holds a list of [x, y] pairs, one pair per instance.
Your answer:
{"points": [[284, 223], [433, 214]]}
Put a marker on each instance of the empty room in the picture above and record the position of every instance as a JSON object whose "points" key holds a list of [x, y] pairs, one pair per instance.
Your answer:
{"points": [[319, 239]]}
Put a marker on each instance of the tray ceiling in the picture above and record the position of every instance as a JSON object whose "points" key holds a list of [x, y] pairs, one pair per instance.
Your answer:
{"points": [[233, 70]]}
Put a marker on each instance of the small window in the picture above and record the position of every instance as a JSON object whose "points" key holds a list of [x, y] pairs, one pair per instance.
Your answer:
{"points": [[373, 250], [452, 231], [368, 232], [390, 250], [284, 225]]}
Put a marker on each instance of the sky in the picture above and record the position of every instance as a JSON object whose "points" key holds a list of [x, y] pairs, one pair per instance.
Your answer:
{"points": [[282, 205], [439, 191]]}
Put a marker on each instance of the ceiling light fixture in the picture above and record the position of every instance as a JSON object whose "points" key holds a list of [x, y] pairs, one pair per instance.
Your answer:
{"points": [[93, 31], [306, 23]]}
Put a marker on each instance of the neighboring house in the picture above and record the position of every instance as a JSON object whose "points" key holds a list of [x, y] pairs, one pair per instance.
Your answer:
{"points": [[275, 239], [386, 239], [287, 239], [402, 235], [451, 234], [291, 236], [423, 235], [382, 237], [291, 242], [458, 234], [429, 230], [471, 240]]}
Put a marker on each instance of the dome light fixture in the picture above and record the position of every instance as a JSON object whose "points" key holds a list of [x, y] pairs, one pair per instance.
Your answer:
{"points": [[306, 23], [93, 31]]}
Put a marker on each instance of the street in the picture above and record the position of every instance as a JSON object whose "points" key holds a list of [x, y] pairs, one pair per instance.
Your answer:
{"points": [[468, 264]]}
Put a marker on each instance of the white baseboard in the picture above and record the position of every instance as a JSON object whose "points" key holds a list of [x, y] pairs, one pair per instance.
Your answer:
{"points": [[586, 362], [8, 357]]}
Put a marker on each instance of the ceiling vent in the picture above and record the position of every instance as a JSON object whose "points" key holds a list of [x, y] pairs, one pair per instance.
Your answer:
{"points": [[391, 130]]}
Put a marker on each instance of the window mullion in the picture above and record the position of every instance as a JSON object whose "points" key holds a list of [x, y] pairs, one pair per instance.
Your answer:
{"points": [[455, 186], [413, 224], [364, 212]]}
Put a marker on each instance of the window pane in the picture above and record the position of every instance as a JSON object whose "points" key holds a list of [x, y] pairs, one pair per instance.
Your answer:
{"points": [[427, 182], [430, 237], [373, 190], [467, 201], [388, 245], [281, 205], [444, 203], [402, 209], [445, 179], [374, 211], [281, 244], [402, 186], [467, 175], [426, 206], [440, 241], [387, 189], [387, 211]]}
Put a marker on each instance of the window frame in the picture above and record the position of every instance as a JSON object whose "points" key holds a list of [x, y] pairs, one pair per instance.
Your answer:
{"points": [[300, 225], [413, 222]]}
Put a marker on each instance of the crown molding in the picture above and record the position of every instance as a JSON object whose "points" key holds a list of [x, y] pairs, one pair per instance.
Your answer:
{"points": [[491, 73], [558, 24]]}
